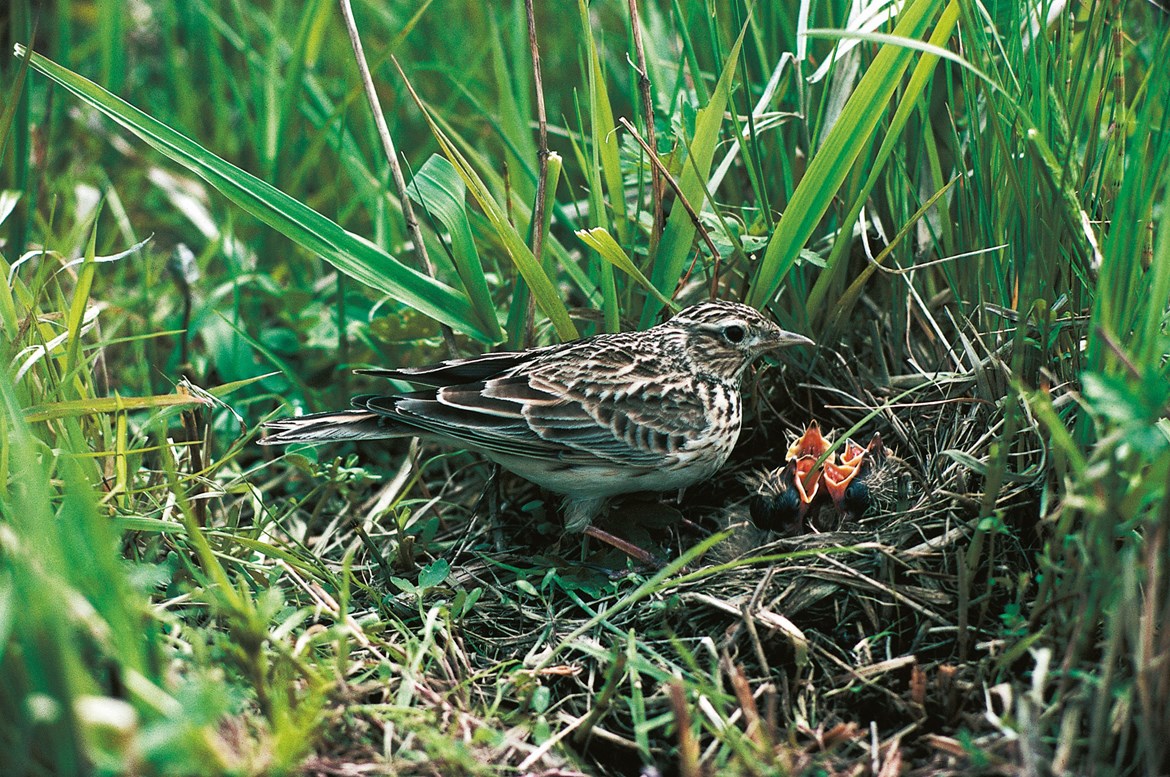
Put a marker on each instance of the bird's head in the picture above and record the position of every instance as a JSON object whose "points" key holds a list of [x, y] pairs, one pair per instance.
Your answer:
{"points": [[725, 337]]}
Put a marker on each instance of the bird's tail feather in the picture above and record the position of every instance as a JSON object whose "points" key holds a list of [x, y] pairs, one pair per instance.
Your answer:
{"points": [[324, 427]]}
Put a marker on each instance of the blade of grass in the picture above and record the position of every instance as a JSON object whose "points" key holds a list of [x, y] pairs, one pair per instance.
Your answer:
{"points": [[548, 299], [842, 146], [77, 308], [906, 105], [350, 253], [609, 250], [604, 165], [513, 116], [439, 189], [92, 406], [679, 234], [604, 132], [314, 17], [15, 120]]}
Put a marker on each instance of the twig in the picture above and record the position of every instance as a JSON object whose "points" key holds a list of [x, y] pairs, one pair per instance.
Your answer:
{"points": [[654, 160], [412, 225], [542, 158], [191, 418], [901, 597], [648, 120]]}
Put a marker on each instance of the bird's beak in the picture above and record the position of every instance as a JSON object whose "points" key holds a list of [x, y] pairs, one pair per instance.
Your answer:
{"points": [[780, 338]]}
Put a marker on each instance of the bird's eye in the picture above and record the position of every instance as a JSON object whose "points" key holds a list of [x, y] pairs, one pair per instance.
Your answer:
{"points": [[734, 333]]}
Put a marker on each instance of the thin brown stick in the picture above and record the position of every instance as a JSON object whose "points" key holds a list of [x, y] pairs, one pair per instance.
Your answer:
{"points": [[648, 121], [688, 746], [678, 193], [542, 158], [412, 225], [191, 423], [625, 546]]}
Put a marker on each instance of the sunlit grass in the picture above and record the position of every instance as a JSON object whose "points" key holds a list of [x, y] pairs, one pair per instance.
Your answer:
{"points": [[963, 204]]}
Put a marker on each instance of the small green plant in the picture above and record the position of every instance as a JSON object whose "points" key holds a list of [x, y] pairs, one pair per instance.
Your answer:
{"points": [[963, 204]]}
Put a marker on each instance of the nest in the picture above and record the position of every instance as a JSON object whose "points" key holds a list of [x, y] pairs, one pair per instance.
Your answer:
{"points": [[885, 627], [879, 620]]}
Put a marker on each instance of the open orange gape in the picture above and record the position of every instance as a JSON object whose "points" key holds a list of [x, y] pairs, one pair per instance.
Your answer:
{"points": [[788, 496]]}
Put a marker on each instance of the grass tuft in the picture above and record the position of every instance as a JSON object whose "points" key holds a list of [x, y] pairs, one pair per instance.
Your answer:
{"points": [[963, 204]]}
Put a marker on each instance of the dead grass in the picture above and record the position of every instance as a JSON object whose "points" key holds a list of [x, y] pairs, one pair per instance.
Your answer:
{"points": [[884, 643]]}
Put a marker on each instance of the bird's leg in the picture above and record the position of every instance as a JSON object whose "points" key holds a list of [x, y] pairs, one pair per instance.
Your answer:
{"points": [[625, 546], [579, 515], [491, 494]]}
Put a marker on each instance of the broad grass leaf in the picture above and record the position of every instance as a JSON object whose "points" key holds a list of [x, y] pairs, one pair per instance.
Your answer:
{"points": [[850, 135], [679, 234], [438, 188], [349, 253]]}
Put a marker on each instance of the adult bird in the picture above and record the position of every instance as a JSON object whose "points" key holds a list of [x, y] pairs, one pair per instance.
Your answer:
{"points": [[655, 410]]}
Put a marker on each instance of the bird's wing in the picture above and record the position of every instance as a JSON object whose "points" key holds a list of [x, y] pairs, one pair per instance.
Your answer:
{"points": [[617, 409], [461, 414], [460, 371], [635, 420]]}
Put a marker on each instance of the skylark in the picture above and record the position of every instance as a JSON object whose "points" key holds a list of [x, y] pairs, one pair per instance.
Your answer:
{"points": [[655, 410]]}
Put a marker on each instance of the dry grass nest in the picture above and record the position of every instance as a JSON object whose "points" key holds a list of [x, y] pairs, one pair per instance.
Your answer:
{"points": [[886, 640], [889, 629]]}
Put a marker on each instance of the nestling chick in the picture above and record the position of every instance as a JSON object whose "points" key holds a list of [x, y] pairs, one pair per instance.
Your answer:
{"points": [[788, 498]]}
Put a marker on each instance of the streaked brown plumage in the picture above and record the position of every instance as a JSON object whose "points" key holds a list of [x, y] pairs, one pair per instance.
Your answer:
{"points": [[655, 410]]}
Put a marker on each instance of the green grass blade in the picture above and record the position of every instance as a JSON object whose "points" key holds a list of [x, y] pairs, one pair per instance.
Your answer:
{"points": [[609, 250], [605, 136], [314, 16], [80, 303], [547, 297], [95, 405], [605, 163], [849, 136], [514, 116], [350, 253], [438, 188], [918, 81], [679, 234]]}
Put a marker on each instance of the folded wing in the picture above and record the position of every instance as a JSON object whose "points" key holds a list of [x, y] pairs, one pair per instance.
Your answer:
{"points": [[618, 410]]}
